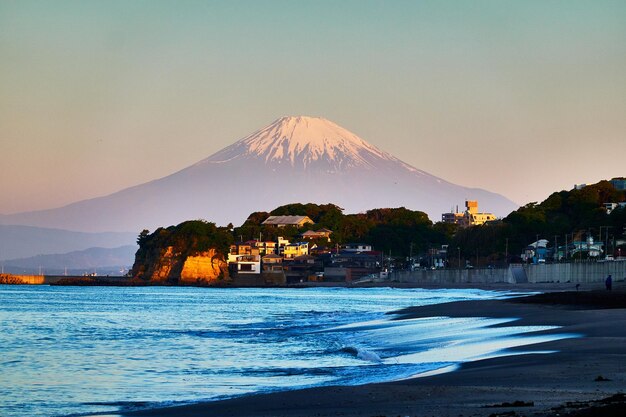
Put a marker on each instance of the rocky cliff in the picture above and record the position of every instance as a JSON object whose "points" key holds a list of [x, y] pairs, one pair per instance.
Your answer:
{"points": [[191, 253], [172, 267]]}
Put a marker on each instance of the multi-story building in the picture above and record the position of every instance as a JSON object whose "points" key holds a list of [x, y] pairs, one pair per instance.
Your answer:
{"points": [[471, 216], [240, 249]]}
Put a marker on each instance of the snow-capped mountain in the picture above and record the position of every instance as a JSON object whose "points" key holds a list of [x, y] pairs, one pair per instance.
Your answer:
{"points": [[309, 143], [294, 159]]}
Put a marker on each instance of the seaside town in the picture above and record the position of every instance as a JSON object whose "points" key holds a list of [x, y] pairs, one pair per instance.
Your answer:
{"points": [[258, 262], [301, 252]]}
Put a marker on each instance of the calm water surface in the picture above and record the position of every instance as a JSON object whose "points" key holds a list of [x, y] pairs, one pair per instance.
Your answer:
{"points": [[80, 350]]}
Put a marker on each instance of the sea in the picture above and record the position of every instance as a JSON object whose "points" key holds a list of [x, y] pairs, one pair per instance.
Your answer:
{"points": [[77, 351]]}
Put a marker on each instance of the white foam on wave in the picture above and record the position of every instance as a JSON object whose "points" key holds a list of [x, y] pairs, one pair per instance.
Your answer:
{"points": [[368, 355], [440, 344]]}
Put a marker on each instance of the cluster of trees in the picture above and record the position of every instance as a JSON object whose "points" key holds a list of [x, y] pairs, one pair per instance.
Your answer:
{"points": [[398, 230], [187, 239], [576, 213]]}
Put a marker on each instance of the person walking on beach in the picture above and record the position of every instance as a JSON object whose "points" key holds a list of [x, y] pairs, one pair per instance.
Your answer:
{"points": [[609, 283]]}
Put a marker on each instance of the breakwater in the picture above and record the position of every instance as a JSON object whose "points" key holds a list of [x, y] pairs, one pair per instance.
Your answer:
{"points": [[47, 279], [583, 272], [22, 279]]}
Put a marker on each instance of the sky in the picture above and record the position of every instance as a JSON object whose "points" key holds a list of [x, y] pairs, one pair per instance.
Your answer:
{"points": [[522, 98]]}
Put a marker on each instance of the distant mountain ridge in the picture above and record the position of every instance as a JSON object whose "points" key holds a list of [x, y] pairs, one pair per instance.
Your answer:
{"points": [[106, 260], [26, 241], [294, 159]]}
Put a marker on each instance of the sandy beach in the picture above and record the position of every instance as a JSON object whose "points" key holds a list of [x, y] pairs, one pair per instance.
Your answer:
{"points": [[583, 377]]}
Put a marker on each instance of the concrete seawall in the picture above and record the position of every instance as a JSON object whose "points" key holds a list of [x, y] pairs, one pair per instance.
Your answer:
{"points": [[583, 272], [22, 279], [577, 273], [32, 279]]}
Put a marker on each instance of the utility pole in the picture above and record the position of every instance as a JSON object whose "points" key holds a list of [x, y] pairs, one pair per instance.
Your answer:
{"points": [[556, 249], [458, 249], [506, 251], [537, 249], [565, 247]]}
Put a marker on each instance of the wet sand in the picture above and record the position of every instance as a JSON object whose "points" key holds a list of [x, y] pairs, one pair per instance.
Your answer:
{"points": [[583, 369]]}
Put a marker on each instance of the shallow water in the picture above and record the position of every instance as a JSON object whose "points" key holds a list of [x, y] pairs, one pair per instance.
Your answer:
{"points": [[81, 350]]}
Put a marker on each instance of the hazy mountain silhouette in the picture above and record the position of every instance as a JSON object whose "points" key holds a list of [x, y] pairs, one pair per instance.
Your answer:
{"points": [[114, 261], [294, 159], [25, 241]]}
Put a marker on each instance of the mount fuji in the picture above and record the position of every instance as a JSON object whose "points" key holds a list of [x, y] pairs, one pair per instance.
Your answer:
{"points": [[294, 159]]}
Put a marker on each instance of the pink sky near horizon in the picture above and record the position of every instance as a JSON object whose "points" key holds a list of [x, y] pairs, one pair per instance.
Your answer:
{"points": [[519, 98]]}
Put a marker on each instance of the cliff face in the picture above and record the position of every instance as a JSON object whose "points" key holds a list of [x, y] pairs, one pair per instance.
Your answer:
{"points": [[207, 267], [171, 267]]}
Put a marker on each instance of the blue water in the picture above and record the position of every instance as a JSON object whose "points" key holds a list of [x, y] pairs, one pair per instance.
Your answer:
{"points": [[81, 350]]}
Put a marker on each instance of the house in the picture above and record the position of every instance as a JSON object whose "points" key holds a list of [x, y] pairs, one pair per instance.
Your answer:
{"points": [[347, 266], [609, 207], [588, 247], [302, 268], [304, 259], [536, 251], [241, 248], [471, 216], [263, 246], [284, 221], [248, 264], [272, 263], [317, 234], [319, 250], [280, 245], [295, 249], [356, 247], [619, 183], [244, 258]]}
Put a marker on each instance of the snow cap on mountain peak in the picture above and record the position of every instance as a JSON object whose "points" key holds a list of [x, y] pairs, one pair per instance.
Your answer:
{"points": [[305, 141]]}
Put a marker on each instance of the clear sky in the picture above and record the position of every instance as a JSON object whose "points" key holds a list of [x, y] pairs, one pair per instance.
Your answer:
{"points": [[518, 97]]}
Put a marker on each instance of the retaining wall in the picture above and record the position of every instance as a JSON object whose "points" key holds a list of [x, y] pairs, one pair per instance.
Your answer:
{"points": [[454, 276], [584, 272]]}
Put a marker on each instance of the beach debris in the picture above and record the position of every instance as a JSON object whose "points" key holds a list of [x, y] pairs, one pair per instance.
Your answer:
{"points": [[600, 378], [504, 414], [612, 406], [513, 404]]}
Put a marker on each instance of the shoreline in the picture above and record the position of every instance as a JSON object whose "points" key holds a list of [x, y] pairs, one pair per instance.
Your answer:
{"points": [[495, 286], [582, 369]]}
